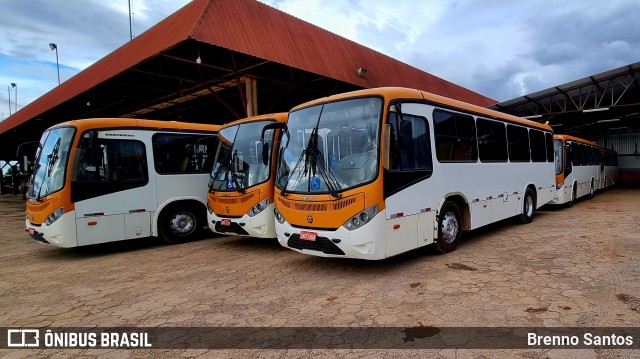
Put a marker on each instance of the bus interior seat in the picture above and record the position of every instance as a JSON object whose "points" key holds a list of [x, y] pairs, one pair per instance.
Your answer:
{"points": [[183, 164], [444, 151], [462, 152]]}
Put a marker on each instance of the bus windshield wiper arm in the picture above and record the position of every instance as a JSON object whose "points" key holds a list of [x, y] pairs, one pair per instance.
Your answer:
{"points": [[303, 156], [329, 179]]}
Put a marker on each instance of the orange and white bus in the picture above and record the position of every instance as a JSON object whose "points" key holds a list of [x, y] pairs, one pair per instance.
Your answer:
{"points": [[374, 173], [104, 180], [582, 167], [608, 167], [242, 180]]}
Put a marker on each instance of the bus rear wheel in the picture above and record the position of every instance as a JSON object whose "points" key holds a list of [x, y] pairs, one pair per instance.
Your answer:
{"points": [[449, 228], [591, 190], [179, 224], [528, 207]]}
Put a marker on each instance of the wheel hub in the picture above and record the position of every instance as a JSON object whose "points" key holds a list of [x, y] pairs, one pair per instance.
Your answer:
{"points": [[182, 223], [528, 206], [450, 227]]}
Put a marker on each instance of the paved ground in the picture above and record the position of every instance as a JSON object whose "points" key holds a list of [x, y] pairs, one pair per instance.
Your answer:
{"points": [[571, 267]]}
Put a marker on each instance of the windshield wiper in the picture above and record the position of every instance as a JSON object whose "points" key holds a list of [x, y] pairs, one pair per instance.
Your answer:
{"points": [[234, 172], [214, 175], [314, 163], [283, 191], [329, 179]]}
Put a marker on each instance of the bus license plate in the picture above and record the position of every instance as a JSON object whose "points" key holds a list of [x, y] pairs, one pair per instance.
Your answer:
{"points": [[225, 222], [308, 236]]}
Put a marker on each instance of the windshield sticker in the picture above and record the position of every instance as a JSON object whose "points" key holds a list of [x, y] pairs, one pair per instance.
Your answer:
{"points": [[315, 183], [333, 161], [229, 184]]}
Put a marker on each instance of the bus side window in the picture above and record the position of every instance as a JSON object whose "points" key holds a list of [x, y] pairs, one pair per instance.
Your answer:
{"points": [[411, 149], [455, 137], [518, 138], [113, 161], [569, 153]]}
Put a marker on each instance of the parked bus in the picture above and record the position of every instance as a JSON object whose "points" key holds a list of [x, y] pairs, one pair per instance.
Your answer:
{"points": [[582, 167], [104, 180], [241, 186], [374, 173], [608, 168]]}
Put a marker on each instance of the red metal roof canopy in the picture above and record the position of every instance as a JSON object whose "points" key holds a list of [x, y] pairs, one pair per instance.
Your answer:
{"points": [[155, 75]]}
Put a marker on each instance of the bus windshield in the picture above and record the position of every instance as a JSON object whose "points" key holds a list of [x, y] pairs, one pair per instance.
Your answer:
{"points": [[559, 152], [330, 147], [51, 161], [238, 161]]}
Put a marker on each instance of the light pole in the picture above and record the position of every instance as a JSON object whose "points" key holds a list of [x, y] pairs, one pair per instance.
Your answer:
{"points": [[53, 46], [9, 91], [15, 98]]}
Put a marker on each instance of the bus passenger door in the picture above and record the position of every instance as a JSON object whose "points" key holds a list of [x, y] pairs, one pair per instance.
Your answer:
{"points": [[408, 182], [568, 170], [111, 190]]}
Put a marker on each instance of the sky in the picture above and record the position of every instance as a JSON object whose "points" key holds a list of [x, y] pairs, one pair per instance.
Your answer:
{"points": [[501, 49]]}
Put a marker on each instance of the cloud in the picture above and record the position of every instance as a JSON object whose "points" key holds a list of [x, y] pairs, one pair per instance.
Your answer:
{"points": [[84, 30], [498, 48], [580, 40], [501, 49]]}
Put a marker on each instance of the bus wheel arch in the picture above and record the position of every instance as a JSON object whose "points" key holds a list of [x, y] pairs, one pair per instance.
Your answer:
{"points": [[463, 207], [180, 221]]}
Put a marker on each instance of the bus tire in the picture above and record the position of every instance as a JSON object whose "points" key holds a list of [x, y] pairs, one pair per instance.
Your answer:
{"points": [[574, 195], [591, 190], [179, 223], [449, 228], [528, 207]]}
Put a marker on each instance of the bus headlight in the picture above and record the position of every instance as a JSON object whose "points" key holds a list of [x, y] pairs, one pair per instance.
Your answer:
{"points": [[54, 216], [278, 216], [259, 207], [361, 218], [209, 209]]}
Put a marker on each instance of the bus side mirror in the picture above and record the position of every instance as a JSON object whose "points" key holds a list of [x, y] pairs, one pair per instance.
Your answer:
{"points": [[265, 153], [271, 126], [386, 145], [265, 146]]}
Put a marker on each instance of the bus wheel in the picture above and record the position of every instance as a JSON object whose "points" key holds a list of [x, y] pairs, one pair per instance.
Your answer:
{"points": [[574, 195], [591, 190], [528, 207], [450, 229], [178, 224]]}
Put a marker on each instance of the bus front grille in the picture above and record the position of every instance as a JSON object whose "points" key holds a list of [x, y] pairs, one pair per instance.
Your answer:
{"points": [[234, 228], [321, 244]]}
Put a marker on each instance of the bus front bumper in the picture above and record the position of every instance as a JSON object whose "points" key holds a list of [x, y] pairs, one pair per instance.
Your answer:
{"points": [[61, 233], [366, 242], [260, 225]]}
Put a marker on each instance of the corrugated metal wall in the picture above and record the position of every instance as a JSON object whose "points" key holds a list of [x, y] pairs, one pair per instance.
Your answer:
{"points": [[624, 143]]}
